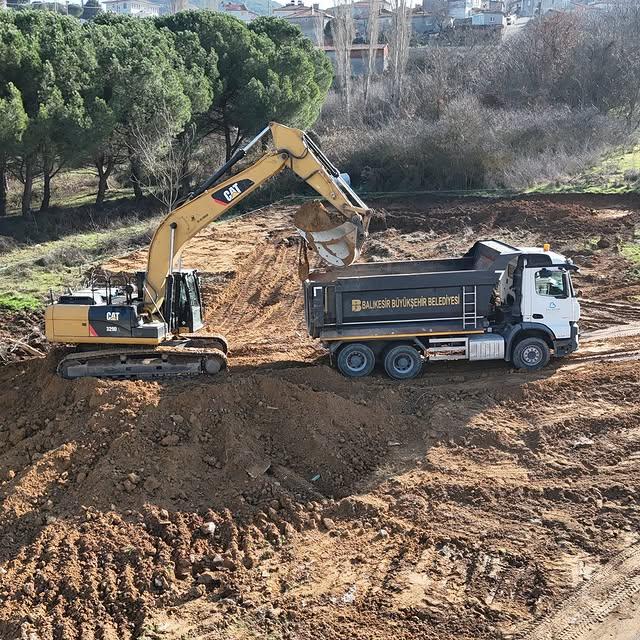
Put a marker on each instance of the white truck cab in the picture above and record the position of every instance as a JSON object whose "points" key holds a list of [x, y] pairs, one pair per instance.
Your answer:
{"points": [[549, 297]]}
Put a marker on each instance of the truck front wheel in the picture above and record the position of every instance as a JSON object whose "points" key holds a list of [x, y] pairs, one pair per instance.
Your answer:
{"points": [[356, 360], [402, 362], [531, 354]]}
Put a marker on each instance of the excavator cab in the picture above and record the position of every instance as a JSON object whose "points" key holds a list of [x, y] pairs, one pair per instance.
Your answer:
{"points": [[182, 308], [185, 302]]}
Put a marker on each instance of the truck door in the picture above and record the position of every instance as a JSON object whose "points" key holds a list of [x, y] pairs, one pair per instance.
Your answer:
{"points": [[548, 300]]}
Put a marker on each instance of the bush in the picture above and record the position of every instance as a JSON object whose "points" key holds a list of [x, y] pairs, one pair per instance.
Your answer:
{"points": [[472, 146], [542, 104], [631, 175]]}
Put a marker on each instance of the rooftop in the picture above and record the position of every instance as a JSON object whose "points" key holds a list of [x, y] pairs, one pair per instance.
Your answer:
{"points": [[300, 10], [357, 47]]}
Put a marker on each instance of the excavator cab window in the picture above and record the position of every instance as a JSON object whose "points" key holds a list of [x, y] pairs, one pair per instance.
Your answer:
{"points": [[195, 301]]}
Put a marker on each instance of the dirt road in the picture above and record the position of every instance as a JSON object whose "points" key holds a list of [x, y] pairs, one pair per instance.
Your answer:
{"points": [[282, 500]]}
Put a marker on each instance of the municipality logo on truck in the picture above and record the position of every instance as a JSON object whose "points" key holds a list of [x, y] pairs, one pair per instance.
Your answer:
{"points": [[419, 302]]}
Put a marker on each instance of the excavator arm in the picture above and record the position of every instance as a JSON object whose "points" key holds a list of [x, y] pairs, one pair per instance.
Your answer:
{"points": [[338, 244]]}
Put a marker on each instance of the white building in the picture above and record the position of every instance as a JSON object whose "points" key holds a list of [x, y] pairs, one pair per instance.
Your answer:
{"points": [[488, 19], [311, 20], [462, 9], [137, 8], [238, 10]]}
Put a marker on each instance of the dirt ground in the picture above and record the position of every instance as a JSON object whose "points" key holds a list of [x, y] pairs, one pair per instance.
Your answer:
{"points": [[282, 500]]}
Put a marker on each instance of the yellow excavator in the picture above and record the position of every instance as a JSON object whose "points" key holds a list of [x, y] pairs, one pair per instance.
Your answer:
{"points": [[146, 330]]}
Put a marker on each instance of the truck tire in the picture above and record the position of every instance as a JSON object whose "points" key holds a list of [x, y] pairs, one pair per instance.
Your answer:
{"points": [[356, 360], [531, 354], [402, 362]]}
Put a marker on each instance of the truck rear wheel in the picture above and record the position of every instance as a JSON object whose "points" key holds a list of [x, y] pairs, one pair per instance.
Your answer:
{"points": [[402, 362], [531, 354], [356, 360]]}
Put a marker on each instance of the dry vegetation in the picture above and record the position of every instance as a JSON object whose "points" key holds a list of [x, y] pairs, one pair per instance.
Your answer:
{"points": [[541, 105]]}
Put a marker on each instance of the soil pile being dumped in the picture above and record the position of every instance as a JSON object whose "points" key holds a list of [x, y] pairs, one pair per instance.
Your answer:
{"points": [[314, 216]]}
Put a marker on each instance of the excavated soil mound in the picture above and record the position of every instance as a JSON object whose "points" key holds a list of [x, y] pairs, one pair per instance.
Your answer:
{"points": [[281, 500], [298, 503]]}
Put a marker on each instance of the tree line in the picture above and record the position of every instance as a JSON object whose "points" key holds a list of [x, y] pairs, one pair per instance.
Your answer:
{"points": [[107, 91]]}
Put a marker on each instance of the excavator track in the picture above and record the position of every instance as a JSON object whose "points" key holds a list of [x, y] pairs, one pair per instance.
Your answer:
{"points": [[153, 363]]}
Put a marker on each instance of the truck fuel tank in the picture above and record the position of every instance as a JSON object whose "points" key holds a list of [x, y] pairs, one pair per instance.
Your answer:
{"points": [[487, 346]]}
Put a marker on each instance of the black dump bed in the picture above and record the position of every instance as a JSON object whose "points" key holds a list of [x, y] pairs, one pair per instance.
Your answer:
{"points": [[419, 297]]}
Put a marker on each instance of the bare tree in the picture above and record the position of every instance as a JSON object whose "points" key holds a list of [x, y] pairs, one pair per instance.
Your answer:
{"points": [[399, 37], [343, 32], [178, 5], [163, 156], [373, 29], [318, 26]]}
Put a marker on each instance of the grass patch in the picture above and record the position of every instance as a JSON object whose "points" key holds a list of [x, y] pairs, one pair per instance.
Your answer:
{"points": [[631, 251], [27, 273], [69, 188], [19, 302], [617, 172]]}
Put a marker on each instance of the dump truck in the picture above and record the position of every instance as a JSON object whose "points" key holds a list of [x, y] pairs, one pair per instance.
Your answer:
{"points": [[496, 302]]}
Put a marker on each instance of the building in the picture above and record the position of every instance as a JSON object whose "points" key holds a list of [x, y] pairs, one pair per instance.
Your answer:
{"points": [[488, 18], [457, 9], [462, 9], [360, 11], [359, 55], [425, 24], [137, 8], [238, 10], [362, 8], [435, 7], [492, 5], [311, 19]]}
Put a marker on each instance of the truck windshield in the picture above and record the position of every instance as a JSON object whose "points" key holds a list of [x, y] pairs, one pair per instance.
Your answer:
{"points": [[551, 283]]}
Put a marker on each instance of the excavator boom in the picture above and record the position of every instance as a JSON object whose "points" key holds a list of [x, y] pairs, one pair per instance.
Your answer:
{"points": [[338, 244]]}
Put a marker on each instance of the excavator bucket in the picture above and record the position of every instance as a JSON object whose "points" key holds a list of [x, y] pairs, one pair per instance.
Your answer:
{"points": [[337, 242]]}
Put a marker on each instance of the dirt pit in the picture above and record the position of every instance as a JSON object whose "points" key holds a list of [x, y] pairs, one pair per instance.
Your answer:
{"points": [[281, 500]]}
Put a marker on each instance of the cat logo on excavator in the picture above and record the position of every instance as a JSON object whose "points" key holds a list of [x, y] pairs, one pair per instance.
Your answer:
{"points": [[229, 193]]}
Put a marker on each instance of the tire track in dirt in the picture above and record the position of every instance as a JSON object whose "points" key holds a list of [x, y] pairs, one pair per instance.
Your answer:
{"points": [[593, 604]]}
